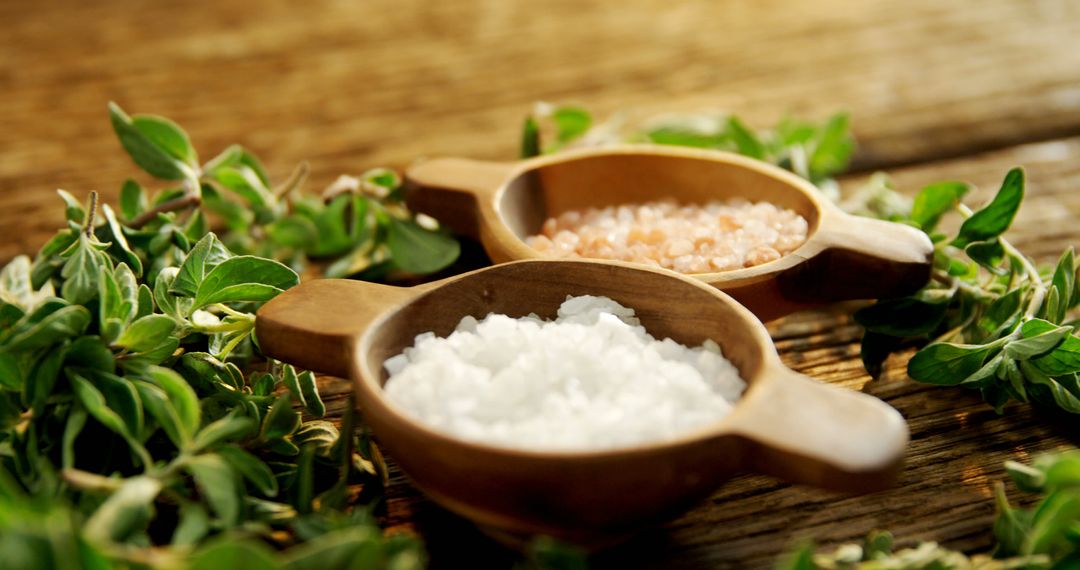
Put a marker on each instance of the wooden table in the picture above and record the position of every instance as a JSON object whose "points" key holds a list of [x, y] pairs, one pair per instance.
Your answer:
{"points": [[958, 90]]}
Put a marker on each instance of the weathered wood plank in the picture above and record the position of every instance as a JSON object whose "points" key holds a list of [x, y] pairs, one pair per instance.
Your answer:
{"points": [[353, 85]]}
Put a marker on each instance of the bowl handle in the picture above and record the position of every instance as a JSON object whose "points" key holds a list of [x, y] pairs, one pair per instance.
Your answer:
{"points": [[806, 431], [315, 324], [853, 257], [453, 189]]}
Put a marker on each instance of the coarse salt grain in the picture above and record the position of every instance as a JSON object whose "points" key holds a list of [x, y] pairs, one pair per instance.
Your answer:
{"points": [[593, 378], [716, 236]]}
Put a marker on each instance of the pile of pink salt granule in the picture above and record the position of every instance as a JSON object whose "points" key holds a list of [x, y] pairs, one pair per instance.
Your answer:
{"points": [[716, 236]]}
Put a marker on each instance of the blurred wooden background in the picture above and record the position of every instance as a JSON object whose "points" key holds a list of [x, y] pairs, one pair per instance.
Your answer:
{"points": [[935, 89]]}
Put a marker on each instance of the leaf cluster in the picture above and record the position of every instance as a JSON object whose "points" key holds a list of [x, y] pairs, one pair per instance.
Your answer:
{"points": [[811, 150], [139, 426], [358, 227], [993, 321]]}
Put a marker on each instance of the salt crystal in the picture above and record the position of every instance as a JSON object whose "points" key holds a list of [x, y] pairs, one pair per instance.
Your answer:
{"points": [[593, 378], [689, 238]]}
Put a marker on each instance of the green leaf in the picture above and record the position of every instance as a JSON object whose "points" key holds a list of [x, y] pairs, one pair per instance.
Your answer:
{"points": [[1064, 281], [73, 209], [133, 201], [113, 234], [218, 483], [293, 231], [42, 379], [570, 123], [530, 138], [11, 375], [245, 278], [204, 256], [246, 183], [987, 371], [181, 395], [1060, 395], [193, 527], [121, 397], [335, 549], [177, 307], [90, 352], [125, 512], [146, 333], [17, 287], [1052, 524], [252, 469], [168, 136], [157, 404], [320, 435], [94, 402], [1064, 359], [281, 420], [1039, 338], [237, 217], [996, 217], [76, 421], [834, 147], [144, 302], [59, 325], [946, 364], [934, 201], [292, 383], [234, 555], [1062, 470], [332, 222], [988, 254], [155, 144], [229, 428], [1010, 526], [903, 317], [417, 250], [1003, 312], [745, 140], [81, 271], [310, 391], [129, 291]]}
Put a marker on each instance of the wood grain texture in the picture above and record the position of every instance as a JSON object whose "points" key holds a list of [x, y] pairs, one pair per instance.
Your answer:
{"points": [[936, 90], [350, 85]]}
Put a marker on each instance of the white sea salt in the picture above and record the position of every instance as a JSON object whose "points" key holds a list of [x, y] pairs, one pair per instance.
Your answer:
{"points": [[593, 378]]}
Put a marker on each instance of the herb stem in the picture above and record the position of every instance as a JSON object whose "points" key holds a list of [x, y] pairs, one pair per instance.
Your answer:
{"points": [[188, 200], [90, 213]]}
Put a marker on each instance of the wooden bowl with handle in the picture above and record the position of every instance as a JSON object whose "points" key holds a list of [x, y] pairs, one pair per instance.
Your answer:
{"points": [[786, 424], [845, 257]]}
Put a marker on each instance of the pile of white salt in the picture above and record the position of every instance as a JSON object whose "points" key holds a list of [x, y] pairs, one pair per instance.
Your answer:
{"points": [[593, 378]]}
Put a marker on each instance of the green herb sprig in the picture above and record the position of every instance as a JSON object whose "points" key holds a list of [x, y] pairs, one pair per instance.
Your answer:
{"points": [[997, 323], [139, 426], [358, 227], [1043, 537]]}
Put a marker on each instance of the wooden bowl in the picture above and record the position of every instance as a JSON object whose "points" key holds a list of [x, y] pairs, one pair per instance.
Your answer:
{"points": [[845, 257], [786, 425]]}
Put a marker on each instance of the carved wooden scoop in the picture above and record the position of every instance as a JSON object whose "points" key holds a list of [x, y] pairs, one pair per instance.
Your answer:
{"points": [[845, 257], [786, 425]]}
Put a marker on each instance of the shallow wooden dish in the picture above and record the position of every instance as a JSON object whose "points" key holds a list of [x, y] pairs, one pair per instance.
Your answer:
{"points": [[845, 257], [787, 424]]}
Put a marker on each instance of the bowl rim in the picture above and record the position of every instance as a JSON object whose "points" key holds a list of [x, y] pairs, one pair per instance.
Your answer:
{"points": [[823, 211]]}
